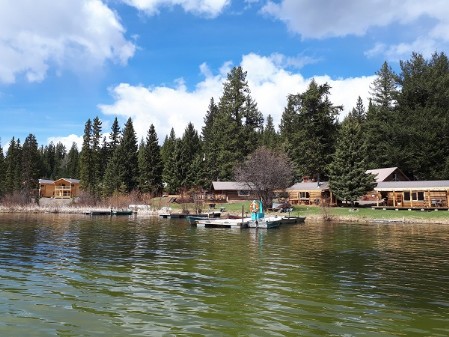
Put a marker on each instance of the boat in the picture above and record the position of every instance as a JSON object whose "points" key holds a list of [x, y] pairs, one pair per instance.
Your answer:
{"points": [[268, 222], [193, 218], [223, 223], [258, 219], [288, 220], [122, 212]]}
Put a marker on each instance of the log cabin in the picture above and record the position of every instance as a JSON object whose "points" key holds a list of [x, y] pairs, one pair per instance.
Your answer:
{"points": [[430, 194], [63, 188]]}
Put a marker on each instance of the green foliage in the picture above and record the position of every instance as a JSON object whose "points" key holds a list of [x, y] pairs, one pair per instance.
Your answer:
{"points": [[308, 129], [235, 127], [150, 164], [347, 171], [270, 137], [2, 172], [31, 163]]}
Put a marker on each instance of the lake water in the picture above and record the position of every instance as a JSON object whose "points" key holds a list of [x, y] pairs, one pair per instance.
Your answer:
{"points": [[102, 276]]}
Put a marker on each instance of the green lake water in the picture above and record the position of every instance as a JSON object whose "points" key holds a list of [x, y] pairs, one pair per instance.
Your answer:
{"points": [[124, 276]]}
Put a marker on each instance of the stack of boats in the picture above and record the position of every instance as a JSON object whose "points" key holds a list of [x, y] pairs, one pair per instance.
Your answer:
{"points": [[257, 219]]}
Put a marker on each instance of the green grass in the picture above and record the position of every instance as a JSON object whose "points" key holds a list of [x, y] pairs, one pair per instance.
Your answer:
{"points": [[361, 213]]}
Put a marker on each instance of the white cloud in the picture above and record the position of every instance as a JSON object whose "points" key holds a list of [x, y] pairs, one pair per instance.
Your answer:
{"points": [[36, 35], [210, 8], [425, 23], [270, 84], [67, 141]]}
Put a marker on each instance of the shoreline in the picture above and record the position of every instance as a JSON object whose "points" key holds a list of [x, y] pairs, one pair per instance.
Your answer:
{"points": [[310, 218]]}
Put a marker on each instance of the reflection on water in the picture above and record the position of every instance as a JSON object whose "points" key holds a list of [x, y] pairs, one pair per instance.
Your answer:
{"points": [[82, 276]]}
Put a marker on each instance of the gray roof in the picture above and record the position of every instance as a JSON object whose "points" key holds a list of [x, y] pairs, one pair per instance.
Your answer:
{"points": [[230, 186], [309, 186], [382, 173], [424, 185], [70, 180], [46, 182]]}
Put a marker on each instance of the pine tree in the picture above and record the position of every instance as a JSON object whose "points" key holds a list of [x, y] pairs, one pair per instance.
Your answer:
{"points": [[86, 165], [2, 172], [31, 164], [380, 129], [347, 171], [171, 151], [270, 137], [72, 162], [150, 164], [237, 125], [211, 144], [311, 134], [190, 149], [13, 170], [122, 173]]}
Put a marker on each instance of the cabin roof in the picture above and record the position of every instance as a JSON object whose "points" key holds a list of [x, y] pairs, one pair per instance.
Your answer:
{"points": [[70, 180], [413, 185], [383, 173], [309, 186], [230, 186], [51, 182], [46, 182]]}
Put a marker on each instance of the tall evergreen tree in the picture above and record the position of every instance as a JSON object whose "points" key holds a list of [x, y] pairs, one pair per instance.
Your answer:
{"points": [[2, 172], [13, 163], [238, 124], [72, 162], [190, 147], [423, 112], [211, 142], [150, 164], [87, 161], [270, 137], [347, 171], [171, 153], [311, 137], [31, 164], [380, 129], [122, 173]]}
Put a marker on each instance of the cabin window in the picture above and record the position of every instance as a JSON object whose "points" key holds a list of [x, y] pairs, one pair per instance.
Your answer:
{"points": [[242, 193], [415, 196], [304, 195]]}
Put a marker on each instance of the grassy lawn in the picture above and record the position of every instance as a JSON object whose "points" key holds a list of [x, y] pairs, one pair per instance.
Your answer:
{"points": [[335, 213]]}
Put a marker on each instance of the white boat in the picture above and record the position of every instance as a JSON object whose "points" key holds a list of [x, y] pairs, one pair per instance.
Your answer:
{"points": [[268, 222], [258, 219], [224, 223]]}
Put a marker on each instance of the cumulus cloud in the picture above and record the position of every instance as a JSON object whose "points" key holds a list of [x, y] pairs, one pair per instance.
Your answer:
{"points": [[67, 141], [426, 23], [36, 35], [176, 106], [209, 8]]}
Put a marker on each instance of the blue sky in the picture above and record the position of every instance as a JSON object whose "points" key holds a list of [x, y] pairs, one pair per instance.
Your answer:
{"points": [[160, 61]]}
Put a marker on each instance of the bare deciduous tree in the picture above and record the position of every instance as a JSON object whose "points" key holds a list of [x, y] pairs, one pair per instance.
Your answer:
{"points": [[265, 171]]}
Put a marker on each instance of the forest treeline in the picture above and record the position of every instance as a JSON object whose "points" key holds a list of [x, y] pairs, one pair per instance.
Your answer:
{"points": [[405, 124]]}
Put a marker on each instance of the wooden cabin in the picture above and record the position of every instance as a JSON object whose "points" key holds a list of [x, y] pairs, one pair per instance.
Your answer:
{"points": [[63, 188], [228, 191], [311, 193], [433, 194]]}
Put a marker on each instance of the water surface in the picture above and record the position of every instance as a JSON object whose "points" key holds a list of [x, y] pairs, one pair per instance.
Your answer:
{"points": [[102, 276]]}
